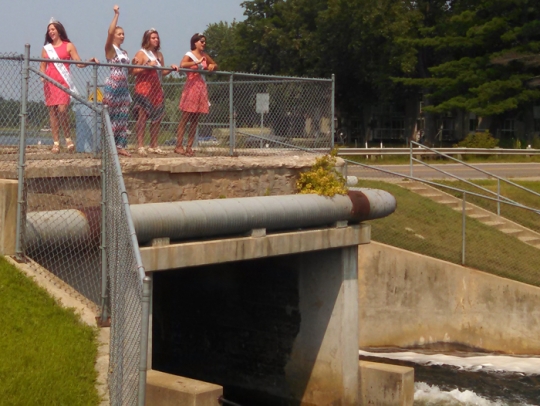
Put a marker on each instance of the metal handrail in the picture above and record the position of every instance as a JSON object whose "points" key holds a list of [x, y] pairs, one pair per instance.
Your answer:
{"points": [[436, 151], [492, 175], [431, 183]]}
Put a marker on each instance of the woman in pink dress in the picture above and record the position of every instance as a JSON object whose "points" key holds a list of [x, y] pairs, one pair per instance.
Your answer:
{"points": [[56, 100], [194, 100]]}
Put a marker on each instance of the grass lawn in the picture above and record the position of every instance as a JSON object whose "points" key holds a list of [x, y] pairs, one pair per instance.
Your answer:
{"points": [[423, 226], [47, 355]]}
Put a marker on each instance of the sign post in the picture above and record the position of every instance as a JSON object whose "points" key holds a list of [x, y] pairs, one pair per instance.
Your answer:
{"points": [[262, 106]]}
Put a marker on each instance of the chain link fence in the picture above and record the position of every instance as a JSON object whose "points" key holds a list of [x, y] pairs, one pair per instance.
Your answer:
{"points": [[65, 199], [247, 114], [70, 178], [129, 288], [457, 222]]}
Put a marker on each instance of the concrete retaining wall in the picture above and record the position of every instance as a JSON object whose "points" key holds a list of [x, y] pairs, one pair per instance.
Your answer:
{"points": [[8, 216], [57, 185], [408, 299]]}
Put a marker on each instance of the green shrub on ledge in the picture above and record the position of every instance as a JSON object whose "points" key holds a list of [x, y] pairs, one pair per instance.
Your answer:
{"points": [[323, 178]]}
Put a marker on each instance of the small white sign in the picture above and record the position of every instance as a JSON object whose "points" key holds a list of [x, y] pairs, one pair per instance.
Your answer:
{"points": [[263, 103]]}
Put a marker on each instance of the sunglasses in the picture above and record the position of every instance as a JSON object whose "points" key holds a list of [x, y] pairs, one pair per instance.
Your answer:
{"points": [[202, 41]]}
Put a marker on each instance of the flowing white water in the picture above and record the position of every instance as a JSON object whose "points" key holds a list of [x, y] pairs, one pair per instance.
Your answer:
{"points": [[496, 363], [427, 395], [501, 366]]}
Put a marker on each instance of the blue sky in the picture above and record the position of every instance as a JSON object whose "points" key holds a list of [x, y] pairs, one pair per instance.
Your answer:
{"points": [[86, 22]]}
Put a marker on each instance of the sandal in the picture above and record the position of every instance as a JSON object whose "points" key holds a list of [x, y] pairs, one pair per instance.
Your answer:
{"points": [[56, 148], [180, 150], [141, 151], [190, 152], [156, 150], [70, 146]]}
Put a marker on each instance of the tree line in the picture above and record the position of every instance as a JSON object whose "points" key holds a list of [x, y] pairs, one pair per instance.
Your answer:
{"points": [[479, 56]]}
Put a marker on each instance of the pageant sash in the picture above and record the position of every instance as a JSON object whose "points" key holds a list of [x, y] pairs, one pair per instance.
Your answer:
{"points": [[152, 57], [60, 67]]}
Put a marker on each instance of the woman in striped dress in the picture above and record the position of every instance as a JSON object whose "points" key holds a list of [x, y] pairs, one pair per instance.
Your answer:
{"points": [[117, 96]]}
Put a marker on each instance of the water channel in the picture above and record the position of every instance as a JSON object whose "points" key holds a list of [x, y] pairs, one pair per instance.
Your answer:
{"points": [[466, 377]]}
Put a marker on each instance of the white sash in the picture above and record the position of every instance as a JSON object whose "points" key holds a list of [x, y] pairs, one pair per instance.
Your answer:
{"points": [[152, 57], [120, 53], [60, 67], [195, 59]]}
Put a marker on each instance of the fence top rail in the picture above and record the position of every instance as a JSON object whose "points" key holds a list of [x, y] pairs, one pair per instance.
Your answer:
{"points": [[225, 73], [437, 151], [426, 181], [471, 167]]}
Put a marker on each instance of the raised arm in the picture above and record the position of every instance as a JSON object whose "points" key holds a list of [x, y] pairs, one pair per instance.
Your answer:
{"points": [[109, 48]]}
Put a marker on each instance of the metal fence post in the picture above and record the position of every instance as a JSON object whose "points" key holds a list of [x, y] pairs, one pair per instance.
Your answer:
{"points": [[463, 227], [104, 264], [145, 324], [232, 140], [332, 108], [21, 195], [95, 93], [411, 159], [498, 197]]}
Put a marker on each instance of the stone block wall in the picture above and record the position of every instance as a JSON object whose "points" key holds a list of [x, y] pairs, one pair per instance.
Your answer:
{"points": [[70, 183]]}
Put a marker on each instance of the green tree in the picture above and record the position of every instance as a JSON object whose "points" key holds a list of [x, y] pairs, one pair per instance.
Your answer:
{"points": [[223, 43], [485, 59], [354, 39]]}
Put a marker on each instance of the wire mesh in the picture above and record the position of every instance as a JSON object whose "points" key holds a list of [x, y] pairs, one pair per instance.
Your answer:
{"points": [[63, 193], [125, 284]]}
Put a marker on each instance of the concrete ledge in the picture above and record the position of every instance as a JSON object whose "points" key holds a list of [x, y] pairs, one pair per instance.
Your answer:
{"points": [[167, 390], [8, 216], [162, 258], [385, 384]]}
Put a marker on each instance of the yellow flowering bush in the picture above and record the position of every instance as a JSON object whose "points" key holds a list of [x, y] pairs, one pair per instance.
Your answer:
{"points": [[323, 178]]}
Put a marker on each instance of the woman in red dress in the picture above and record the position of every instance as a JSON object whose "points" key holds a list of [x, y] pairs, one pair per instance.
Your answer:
{"points": [[194, 100], [148, 96], [56, 100]]}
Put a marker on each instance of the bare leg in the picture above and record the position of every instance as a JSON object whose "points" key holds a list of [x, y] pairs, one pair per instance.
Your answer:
{"points": [[193, 123], [180, 133], [54, 123], [63, 118], [154, 133], [140, 127], [53, 117]]}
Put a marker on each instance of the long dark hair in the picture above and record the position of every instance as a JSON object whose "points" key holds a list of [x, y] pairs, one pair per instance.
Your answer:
{"points": [[61, 31], [194, 39], [145, 43]]}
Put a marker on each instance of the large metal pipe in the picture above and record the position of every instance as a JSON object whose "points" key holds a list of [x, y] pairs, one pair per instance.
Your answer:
{"points": [[220, 217], [209, 218]]}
